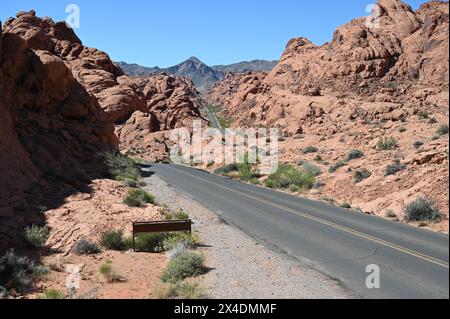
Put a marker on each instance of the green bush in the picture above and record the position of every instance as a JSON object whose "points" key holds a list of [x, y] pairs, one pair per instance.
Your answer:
{"points": [[423, 115], [246, 172], [442, 130], [422, 209], [354, 154], [294, 188], [19, 272], [394, 168], [121, 167], [337, 166], [269, 183], [183, 266], [225, 170], [190, 241], [361, 175], [52, 294], [138, 198], [113, 240], [86, 247], [310, 149], [311, 169], [182, 216], [109, 273], [181, 290], [387, 143], [288, 175], [36, 236], [148, 242]]}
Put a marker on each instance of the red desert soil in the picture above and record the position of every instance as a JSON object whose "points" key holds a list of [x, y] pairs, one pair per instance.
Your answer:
{"points": [[87, 216]]}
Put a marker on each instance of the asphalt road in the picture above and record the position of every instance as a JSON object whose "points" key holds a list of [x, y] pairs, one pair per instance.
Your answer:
{"points": [[413, 262]]}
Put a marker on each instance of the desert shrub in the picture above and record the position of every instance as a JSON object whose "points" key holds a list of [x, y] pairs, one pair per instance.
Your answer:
{"points": [[254, 181], [246, 172], [173, 239], [294, 188], [177, 250], [148, 242], [311, 169], [269, 183], [361, 175], [288, 175], [310, 149], [422, 209], [432, 120], [19, 272], [346, 206], [52, 294], [402, 129], [113, 240], [354, 154], [138, 198], [387, 143], [186, 265], [319, 184], [36, 236], [337, 166], [121, 167], [423, 115], [442, 130], [86, 247], [225, 170], [109, 273], [418, 144], [394, 168], [182, 215], [318, 159], [181, 290], [225, 122], [390, 214]]}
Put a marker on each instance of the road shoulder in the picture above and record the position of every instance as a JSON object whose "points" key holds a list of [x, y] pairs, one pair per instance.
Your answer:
{"points": [[240, 266]]}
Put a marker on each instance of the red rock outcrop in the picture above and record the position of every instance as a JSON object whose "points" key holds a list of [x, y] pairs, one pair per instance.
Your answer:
{"points": [[377, 59], [385, 75], [51, 127], [161, 102]]}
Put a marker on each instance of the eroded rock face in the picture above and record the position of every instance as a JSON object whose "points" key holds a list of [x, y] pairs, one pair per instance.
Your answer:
{"points": [[167, 102], [382, 59], [383, 77], [51, 127]]}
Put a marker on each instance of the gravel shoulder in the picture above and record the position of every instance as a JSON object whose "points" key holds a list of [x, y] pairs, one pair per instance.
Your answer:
{"points": [[240, 266]]}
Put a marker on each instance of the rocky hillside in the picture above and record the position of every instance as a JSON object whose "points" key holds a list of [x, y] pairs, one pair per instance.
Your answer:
{"points": [[243, 67], [52, 130], [60, 103], [372, 81], [203, 76]]}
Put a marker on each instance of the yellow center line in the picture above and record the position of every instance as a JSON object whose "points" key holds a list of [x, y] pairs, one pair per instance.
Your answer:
{"points": [[331, 224]]}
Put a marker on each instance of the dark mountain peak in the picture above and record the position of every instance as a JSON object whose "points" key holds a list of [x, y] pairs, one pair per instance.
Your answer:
{"points": [[194, 60], [203, 76]]}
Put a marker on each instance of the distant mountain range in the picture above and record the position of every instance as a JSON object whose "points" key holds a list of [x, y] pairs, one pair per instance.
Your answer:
{"points": [[203, 76]]}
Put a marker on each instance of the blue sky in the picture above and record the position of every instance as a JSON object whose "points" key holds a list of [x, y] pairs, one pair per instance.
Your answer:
{"points": [[164, 33]]}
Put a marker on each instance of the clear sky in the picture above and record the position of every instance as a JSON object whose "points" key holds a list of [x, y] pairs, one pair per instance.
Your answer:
{"points": [[164, 33]]}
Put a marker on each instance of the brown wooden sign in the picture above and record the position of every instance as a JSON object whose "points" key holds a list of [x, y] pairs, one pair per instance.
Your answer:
{"points": [[161, 227]]}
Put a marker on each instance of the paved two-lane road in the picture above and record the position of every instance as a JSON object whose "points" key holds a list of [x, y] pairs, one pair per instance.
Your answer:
{"points": [[413, 262]]}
